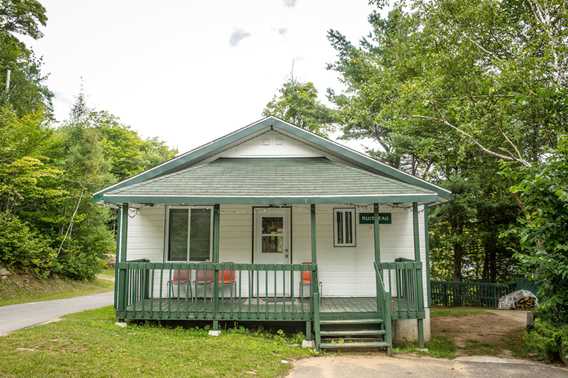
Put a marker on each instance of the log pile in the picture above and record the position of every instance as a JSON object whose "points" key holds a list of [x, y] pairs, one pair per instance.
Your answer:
{"points": [[525, 303], [518, 300]]}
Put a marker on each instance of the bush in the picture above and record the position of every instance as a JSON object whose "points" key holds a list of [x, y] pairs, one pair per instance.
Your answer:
{"points": [[25, 249], [79, 265], [548, 342]]}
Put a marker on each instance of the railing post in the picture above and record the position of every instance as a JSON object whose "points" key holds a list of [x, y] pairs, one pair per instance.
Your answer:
{"points": [[420, 292]]}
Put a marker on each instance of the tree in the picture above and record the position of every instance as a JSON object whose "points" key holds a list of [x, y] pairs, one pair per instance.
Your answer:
{"points": [[450, 89], [298, 104], [22, 17], [543, 230], [22, 83]]}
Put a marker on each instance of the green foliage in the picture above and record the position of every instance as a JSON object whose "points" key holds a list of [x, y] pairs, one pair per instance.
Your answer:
{"points": [[547, 341], [298, 104], [448, 89], [25, 249], [27, 91], [22, 17], [543, 230], [47, 177]]}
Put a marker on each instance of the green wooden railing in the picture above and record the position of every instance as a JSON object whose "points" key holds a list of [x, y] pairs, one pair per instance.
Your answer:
{"points": [[217, 291], [403, 284], [469, 293], [384, 306]]}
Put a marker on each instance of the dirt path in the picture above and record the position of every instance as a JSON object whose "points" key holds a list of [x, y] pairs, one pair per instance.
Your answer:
{"points": [[493, 331]]}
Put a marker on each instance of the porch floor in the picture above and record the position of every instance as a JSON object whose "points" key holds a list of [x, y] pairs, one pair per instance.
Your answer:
{"points": [[263, 309]]}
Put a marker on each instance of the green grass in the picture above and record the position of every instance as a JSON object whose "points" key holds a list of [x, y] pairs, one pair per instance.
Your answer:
{"points": [[439, 312], [22, 289], [439, 347], [90, 344], [107, 273]]}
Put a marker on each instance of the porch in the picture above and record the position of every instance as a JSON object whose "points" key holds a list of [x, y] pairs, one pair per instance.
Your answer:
{"points": [[259, 292]]}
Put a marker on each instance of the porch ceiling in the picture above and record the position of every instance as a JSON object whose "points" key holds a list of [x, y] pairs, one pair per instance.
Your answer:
{"points": [[271, 181]]}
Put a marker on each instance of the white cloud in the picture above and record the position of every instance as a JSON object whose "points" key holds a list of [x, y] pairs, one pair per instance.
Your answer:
{"points": [[290, 3], [237, 36]]}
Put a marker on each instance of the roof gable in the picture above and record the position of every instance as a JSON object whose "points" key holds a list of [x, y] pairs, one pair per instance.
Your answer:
{"points": [[238, 137]]}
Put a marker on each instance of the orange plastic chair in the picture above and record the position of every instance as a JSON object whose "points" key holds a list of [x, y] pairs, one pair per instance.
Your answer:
{"points": [[181, 277]]}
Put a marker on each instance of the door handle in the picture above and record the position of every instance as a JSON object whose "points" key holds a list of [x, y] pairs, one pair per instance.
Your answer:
{"points": [[286, 252]]}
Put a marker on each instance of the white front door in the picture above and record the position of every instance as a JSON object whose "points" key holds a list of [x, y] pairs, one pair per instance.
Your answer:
{"points": [[272, 235], [271, 246]]}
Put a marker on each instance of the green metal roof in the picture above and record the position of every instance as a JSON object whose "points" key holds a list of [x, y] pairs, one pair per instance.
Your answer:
{"points": [[271, 181], [331, 148]]}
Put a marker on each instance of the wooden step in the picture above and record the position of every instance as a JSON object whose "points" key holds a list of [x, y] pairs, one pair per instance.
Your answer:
{"points": [[352, 321], [369, 344], [362, 332]]}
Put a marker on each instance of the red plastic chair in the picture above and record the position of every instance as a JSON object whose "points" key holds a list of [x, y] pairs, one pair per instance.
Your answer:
{"points": [[181, 277]]}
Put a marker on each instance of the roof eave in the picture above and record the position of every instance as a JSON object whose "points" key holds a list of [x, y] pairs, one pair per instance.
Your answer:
{"points": [[269, 200]]}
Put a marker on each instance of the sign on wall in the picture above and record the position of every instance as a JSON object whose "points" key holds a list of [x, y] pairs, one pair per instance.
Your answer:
{"points": [[368, 218]]}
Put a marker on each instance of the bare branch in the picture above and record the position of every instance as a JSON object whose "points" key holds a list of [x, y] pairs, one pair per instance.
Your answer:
{"points": [[475, 141]]}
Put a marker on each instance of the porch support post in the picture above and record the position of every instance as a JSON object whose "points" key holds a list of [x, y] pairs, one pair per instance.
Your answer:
{"points": [[427, 250], [121, 295], [313, 233], [216, 215], [315, 295], [419, 277], [376, 235]]}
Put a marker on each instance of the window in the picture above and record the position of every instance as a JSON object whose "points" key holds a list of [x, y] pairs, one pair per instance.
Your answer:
{"points": [[189, 234], [272, 234], [344, 227]]}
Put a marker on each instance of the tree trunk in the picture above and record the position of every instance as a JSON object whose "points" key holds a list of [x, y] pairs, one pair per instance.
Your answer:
{"points": [[458, 261]]}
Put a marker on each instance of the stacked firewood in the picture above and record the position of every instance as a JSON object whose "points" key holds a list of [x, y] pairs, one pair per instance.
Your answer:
{"points": [[525, 303], [518, 300]]}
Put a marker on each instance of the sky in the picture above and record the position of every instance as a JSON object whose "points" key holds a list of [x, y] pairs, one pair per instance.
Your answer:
{"points": [[190, 71]]}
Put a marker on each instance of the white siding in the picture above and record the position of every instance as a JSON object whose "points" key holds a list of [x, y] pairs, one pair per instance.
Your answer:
{"points": [[344, 271], [145, 239], [271, 144]]}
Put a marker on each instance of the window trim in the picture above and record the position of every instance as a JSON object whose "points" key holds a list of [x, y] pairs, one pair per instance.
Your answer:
{"points": [[167, 233], [353, 211]]}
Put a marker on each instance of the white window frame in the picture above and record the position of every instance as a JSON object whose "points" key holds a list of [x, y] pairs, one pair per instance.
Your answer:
{"points": [[344, 210], [167, 233]]}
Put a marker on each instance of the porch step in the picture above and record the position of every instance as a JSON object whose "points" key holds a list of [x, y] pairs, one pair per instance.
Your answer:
{"points": [[355, 345], [352, 321], [362, 332]]}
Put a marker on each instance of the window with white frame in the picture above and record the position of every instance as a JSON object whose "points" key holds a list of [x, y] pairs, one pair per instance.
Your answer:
{"points": [[344, 227], [189, 233]]}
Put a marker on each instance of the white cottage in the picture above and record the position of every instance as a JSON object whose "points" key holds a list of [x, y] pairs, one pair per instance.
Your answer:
{"points": [[274, 223]]}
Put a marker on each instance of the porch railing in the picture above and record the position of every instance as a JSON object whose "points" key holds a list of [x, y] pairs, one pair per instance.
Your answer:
{"points": [[402, 282], [217, 291], [383, 305]]}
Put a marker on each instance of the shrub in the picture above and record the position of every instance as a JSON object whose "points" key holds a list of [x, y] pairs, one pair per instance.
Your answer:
{"points": [[547, 341], [25, 249]]}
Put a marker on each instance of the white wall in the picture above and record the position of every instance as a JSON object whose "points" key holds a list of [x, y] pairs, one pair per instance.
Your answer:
{"points": [[344, 271]]}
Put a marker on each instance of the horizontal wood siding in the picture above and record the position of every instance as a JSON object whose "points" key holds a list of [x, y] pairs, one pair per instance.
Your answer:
{"points": [[343, 271]]}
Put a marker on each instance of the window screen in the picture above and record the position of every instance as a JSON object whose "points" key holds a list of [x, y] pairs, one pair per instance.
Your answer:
{"points": [[344, 227], [189, 234]]}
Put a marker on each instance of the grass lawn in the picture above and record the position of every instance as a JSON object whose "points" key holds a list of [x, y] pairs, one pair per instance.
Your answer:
{"points": [[24, 288], [90, 344], [437, 312]]}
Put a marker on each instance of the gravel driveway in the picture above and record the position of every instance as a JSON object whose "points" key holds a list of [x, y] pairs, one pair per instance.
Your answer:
{"points": [[377, 365], [23, 315]]}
